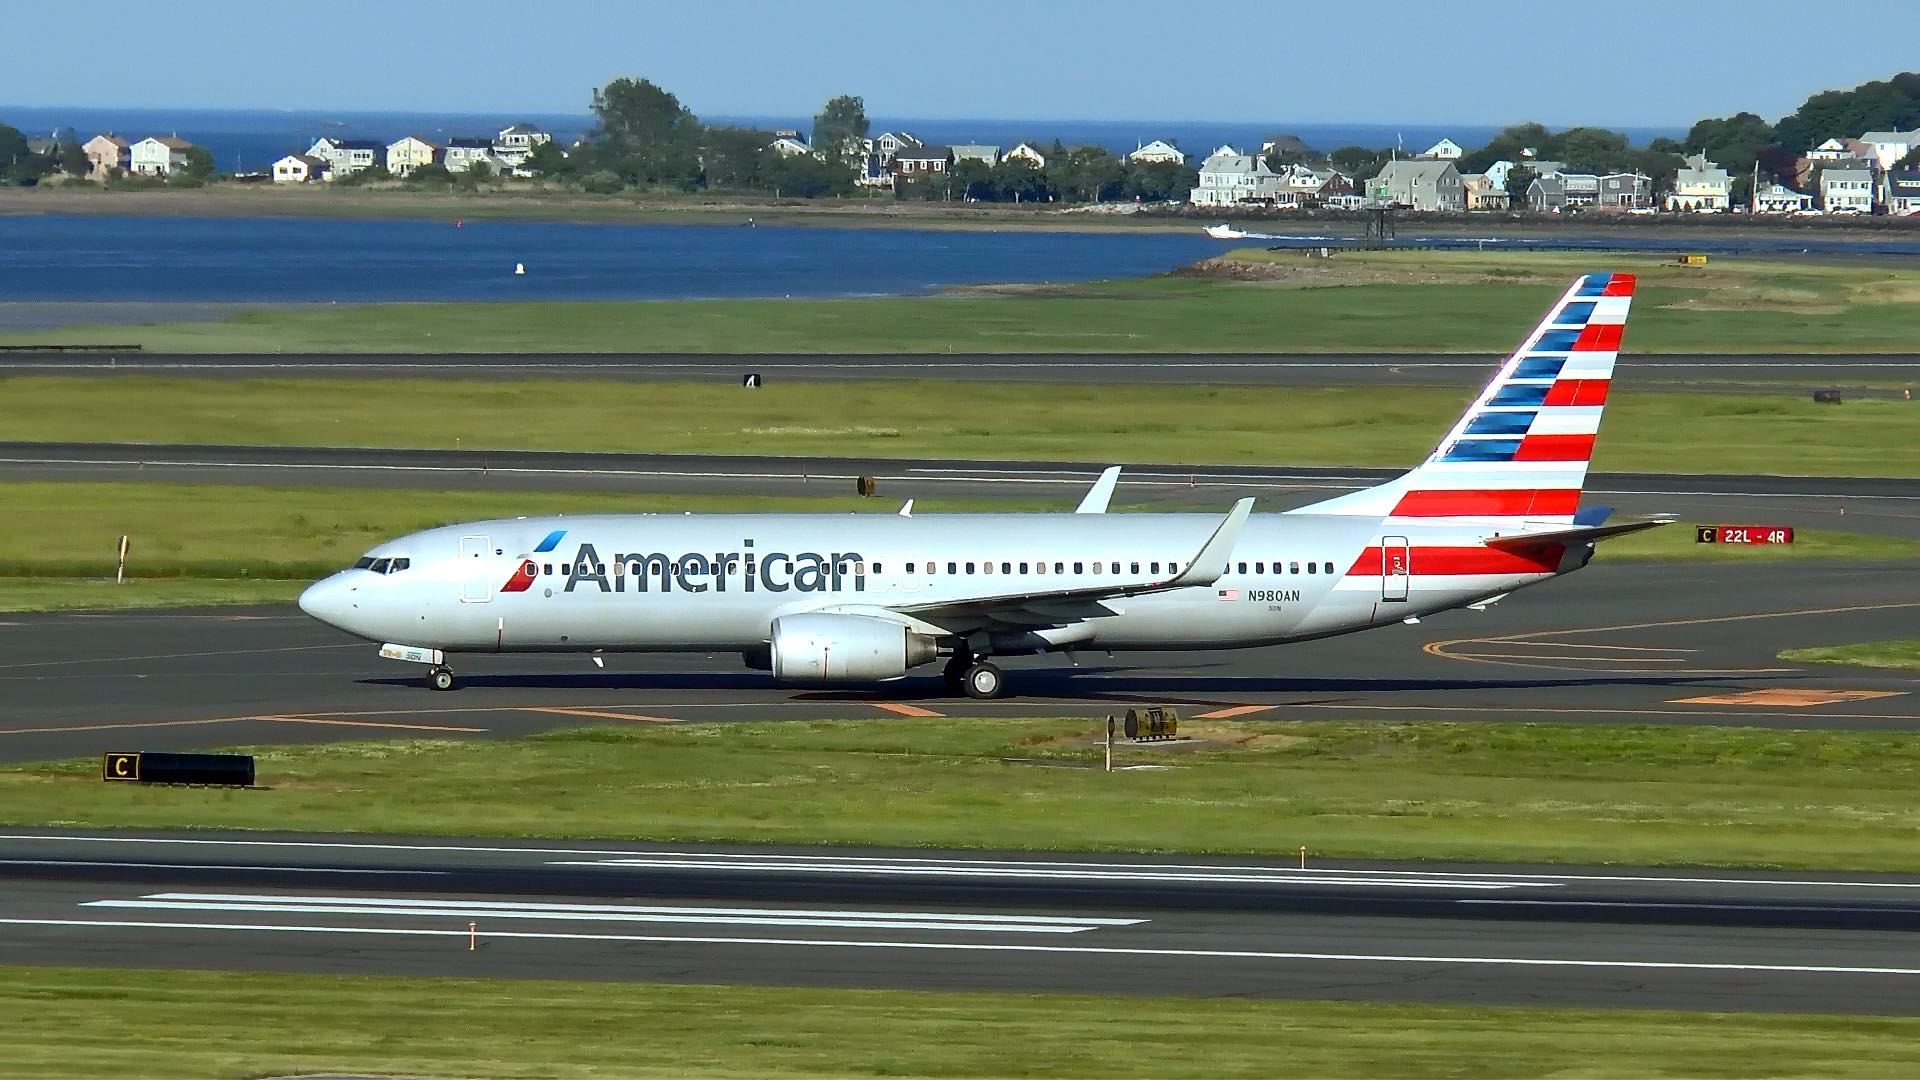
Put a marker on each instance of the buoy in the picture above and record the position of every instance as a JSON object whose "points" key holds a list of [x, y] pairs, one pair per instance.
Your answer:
{"points": [[457, 223], [519, 268]]}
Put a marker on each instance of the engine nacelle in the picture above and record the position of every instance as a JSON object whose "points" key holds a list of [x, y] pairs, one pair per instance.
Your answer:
{"points": [[825, 647]]}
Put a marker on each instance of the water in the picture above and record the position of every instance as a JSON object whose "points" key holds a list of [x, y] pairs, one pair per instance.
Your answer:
{"points": [[292, 260], [251, 140]]}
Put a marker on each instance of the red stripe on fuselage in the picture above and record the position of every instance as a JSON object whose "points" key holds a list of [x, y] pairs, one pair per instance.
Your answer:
{"points": [[1444, 561], [522, 578], [1517, 502], [1555, 448], [1578, 392]]}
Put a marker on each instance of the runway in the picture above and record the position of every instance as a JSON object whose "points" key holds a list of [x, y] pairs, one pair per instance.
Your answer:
{"points": [[1615, 643], [1889, 506], [931, 920], [1733, 372]]}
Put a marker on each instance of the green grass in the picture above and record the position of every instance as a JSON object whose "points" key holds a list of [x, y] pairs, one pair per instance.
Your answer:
{"points": [[1652, 795], [1904, 655], [1382, 301], [67, 1022], [218, 544], [1645, 431]]}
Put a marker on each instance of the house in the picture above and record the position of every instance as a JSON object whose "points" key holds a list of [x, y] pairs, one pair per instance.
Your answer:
{"points": [[1432, 186], [107, 152], [922, 160], [787, 146], [1483, 194], [1846, 191], [1028, 153], [1859, 157], [346, 156], [1834, 149], [462, 154], [410, 153], [1157, 151], [1343, 202], [300, 169], [1700, 186], [1776, 199], [1888, 147], [889, 144], [1903, 192], [1230, 178], [1625, 191], [1582, 189], [1546, 195], [1497, 173], [158, 155], [872, 174], [980, 152], [514, 144], [1444, 150]]}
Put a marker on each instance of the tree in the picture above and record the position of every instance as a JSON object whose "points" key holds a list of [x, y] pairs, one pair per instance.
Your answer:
{"points": [[1892, 104], [196, 169], [1159, 180], [839, 128], [732, 157], [71, 159], [548, 160], [645, 135], [18, 164], [430, 174], [1519, 179], [1360, 162]]}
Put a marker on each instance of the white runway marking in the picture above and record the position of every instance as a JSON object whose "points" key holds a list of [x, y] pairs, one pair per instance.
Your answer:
{"points": [[1048, 872], [216, 866], [495, 909], [988, 947]]}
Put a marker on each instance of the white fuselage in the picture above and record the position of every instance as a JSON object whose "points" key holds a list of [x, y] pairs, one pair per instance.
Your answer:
{"points": [[646, 583]]}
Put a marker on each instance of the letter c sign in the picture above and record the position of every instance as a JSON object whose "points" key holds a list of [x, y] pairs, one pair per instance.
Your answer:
{"points": [[120, 767]]}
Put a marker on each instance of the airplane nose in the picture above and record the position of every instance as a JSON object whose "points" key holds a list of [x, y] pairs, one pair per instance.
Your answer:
{"points": [[328, 600]]}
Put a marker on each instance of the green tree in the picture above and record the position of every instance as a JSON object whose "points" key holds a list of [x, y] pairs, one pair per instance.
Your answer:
{"points": [[1519, 179], [19, 164], [434, 175], [196, 169], [732, 158], [839, 127], [1084, 174], [1361, 163], [973, 180], [69, 156], [1891, 104], [804, 176], [547, 160], [645, 135], [1158, 181]]}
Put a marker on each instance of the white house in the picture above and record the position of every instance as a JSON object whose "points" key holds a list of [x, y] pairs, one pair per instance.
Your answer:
{"points": [[514, 144], [1159, 150], [787, 146], [462, 154], [1433, 186], [980, 152], [1776, 199], [1847, 190], [1831, 150], [1903, 193], [300, 169], [1229, 178], [1497, 173], [889, 143], [158, 155], [409, 154], [1700, 186], [1444, 150], [1028, 153], [1890, 146], [346, 156]]}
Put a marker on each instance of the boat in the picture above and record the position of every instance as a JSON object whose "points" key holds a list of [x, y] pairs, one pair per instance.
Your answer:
{"points": [[1226, 232]]}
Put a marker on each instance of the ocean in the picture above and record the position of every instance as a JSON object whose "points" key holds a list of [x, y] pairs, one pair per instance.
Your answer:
{"points": [[251, 140]]}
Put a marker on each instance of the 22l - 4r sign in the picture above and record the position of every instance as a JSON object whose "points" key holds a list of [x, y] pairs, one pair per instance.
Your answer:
{"points": [[1743, 534]]}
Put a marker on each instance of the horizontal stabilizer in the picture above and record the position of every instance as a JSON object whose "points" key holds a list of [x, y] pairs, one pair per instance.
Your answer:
{"points": [[1577, 535]]}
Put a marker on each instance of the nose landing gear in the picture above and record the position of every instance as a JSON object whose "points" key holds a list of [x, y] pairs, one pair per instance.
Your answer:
{"points": [[440, 677]]}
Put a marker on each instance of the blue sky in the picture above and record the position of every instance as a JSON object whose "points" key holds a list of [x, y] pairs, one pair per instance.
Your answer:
{"points": [[1651, 64]]}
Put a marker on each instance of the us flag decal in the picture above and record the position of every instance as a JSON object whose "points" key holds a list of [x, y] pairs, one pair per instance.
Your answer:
{"points": [[1229, 594]]}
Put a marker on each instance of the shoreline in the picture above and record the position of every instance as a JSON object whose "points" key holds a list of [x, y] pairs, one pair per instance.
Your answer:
{"points": [[573, 207]]}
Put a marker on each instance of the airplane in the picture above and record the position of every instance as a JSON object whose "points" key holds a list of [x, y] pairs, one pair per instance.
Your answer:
{"points": [[821, 599]]}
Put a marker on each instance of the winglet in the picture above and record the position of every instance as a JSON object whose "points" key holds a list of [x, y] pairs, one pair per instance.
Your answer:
{"points": [[1211, 561], [1101, 493], [907, 510]]}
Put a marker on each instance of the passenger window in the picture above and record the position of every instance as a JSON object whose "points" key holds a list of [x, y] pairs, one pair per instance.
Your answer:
{"points": [[1259, 568], [1116, 567], [1173, 568], [1156, 566], [969, 568], [1079, 568], [1059, 568], [1097, 566], [1329, 568], [1293, 568], [1006, 568], [954, 568], [1243, 568], [910, 568], [1023, 568], [546, 568], [877, 569], [986, 568], [1133, 568], [1313, 568]]}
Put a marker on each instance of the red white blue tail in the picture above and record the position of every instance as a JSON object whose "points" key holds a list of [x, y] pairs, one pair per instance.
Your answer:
{"points": [[1520, 454]]}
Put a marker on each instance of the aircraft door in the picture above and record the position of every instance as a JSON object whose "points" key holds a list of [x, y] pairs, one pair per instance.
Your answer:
{"points": [[1396, 569], [476, 575]]}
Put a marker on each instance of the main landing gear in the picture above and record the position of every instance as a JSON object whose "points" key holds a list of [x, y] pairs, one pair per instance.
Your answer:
{"points": [[974, 677], [440, 677]]}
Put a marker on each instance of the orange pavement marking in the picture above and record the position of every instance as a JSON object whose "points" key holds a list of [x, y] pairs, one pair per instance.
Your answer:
{"points": [[1797, 699], [1237, 710], [603, 715], [903, 710], [121, 727], [366, 723]]}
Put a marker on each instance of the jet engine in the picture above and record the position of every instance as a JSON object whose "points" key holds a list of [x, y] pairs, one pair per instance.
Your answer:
{"points": [[845, 648]]}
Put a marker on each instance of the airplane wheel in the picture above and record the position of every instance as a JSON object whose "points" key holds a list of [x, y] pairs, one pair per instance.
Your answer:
{"points": [[955, 674], [984, 681], [440, 678]]}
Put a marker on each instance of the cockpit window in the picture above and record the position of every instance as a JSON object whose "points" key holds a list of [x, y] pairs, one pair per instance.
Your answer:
{"points": [[399, 564], [379, 566], [365, 563]]}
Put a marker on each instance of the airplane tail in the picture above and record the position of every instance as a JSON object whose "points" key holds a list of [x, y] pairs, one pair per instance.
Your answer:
{"points": [[1520, 453]]}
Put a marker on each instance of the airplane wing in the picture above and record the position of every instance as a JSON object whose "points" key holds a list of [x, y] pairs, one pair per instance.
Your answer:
{"points": [[1053, 607], [1100, 493], [1577, 535]]}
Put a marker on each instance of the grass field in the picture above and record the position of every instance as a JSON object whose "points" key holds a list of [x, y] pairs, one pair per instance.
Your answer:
{"points": [[1878, 654], [1663, 795], [65, 1022], [217, 543], [1645, 431], [1417, 302]]}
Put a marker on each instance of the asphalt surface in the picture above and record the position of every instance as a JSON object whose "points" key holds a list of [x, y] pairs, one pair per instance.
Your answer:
{"points": [[1615, 643], [1853, 504], [924, 919], [1712, 372]]}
